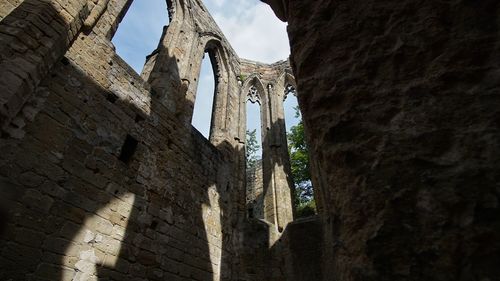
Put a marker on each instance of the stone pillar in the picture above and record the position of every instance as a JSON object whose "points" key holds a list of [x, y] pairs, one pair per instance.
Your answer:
{"points": [[277, 159], [169, 77], [151, 58], [242, 112], [400, 105], [173, 71], [265, 84], [269, 198], [224, 94]]}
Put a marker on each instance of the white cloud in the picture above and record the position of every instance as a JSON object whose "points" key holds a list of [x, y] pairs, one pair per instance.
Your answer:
{"points": [[250, 26], [253, 31], [219, 3]]}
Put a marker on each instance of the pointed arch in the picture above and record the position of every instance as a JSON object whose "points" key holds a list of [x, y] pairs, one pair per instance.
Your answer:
{"points": [[220, 121], [253, 81], [287, 82]]}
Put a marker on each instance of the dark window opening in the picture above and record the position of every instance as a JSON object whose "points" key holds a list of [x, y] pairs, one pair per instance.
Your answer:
{"points": [[3, 220], [253, 153], [65, 61], [112, 98], [128, 149], [139, 118], [254, 125], [154, 224], [250, 213]]}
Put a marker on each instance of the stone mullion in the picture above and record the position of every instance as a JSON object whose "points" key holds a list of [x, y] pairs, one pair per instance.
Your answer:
{"points": [[275, 179], [164, 77], [158, 77], [241, 131], [218, 131], [280, 160], [280, 117], [242, 127], [267, 158], [151, 59], [172, 78]]}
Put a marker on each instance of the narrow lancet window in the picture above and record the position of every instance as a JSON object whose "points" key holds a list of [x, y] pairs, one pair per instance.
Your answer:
{"points": [[303, 200], [204, 101], [253, 147]]}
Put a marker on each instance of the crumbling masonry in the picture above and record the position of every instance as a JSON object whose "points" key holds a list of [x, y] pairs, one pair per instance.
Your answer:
{"points": [[102, 176]]}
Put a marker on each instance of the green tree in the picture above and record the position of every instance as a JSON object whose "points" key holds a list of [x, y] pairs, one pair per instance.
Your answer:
{"points": [[252, 146], [299, 161]]}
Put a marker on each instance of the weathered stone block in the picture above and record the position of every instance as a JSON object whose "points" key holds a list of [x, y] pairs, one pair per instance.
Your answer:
{"points": [[54, 272]]}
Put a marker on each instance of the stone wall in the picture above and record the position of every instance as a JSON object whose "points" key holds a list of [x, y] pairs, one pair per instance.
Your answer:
{"points": [[102, 175], [401, 103], [78, 203], [255, 191], [300, 250], [8, 6], [265, 84], [101, 178]]}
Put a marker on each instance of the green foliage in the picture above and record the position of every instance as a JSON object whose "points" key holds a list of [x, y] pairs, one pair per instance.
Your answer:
{"points": [[306, 209], [299, 160], [252, 146]]}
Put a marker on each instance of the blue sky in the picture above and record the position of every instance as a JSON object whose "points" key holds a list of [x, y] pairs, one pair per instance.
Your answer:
{"points": [[249, 25]]}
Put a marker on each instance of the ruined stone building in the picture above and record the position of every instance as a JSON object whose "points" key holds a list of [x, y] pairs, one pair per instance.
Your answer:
{"points": [[102, 176]]}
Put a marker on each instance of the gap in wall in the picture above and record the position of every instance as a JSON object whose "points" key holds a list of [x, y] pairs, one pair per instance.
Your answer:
{"points": [[304, 201], [140, 31], [289, 106], [203, 106], [254, 123], [251, 27]]}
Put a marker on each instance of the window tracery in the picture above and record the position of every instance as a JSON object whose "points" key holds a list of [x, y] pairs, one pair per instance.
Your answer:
{"points": [[289, 89], [253, 95]]}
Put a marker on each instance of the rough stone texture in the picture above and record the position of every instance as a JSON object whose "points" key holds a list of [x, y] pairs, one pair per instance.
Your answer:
{"points": [[267, 86], [8, 6], [255, 191], [255, 256], [102, 176], [34, 36], [401, 106], [301, 250]]}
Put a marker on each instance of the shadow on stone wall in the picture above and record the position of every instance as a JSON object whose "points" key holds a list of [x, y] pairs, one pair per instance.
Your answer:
{"points": [[164, 234], [36, 36], [299, 251], [402, 126], [67, 173], [277, 175]]}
